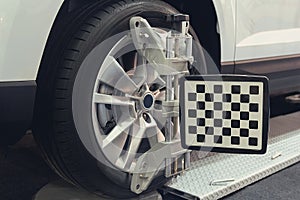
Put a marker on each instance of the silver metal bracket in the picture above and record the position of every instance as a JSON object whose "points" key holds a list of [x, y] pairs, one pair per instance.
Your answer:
{"points": [[170, 54], [166, 51], [150, 163], [170, 108]]}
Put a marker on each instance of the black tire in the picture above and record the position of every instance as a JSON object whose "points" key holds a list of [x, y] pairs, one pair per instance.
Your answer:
{"points": [[54, 126]]}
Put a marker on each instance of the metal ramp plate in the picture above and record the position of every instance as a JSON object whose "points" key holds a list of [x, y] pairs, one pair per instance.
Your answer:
{"points": [[219, 175]]}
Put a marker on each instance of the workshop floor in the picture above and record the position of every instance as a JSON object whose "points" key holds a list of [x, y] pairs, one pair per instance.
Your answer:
{"points": [[23, 172]]}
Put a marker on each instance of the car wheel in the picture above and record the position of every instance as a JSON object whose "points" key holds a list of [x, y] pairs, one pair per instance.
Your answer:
{"points": [[90, 120]]}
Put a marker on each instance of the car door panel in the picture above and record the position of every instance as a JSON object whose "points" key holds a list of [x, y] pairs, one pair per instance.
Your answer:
{"points": [[267, 28], [268, 41]]}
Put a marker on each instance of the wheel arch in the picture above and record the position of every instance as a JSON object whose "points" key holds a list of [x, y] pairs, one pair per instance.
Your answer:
{"points": [[204, 15], [65, 9]]}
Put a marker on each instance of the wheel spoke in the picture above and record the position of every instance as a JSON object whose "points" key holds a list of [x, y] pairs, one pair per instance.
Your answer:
{"points": [[140, 75], [153, 132], [160, 95], [138, 133], [145, 73], [115, 149], [160, 135], [112, 74], [112, 100], [159, 119], [153, 76], [117, 131]]}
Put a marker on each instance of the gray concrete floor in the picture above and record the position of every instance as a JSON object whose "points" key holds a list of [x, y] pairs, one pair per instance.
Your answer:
{"points": [[283, 185]]}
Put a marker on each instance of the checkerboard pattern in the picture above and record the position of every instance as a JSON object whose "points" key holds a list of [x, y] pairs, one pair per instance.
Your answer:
{"points": [[224, 114]]}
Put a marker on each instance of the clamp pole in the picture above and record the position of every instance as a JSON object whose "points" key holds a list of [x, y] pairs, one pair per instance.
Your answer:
{"points": [[169, 125]]}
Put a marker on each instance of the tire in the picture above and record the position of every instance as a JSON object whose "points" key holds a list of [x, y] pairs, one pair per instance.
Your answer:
{"points": [[65, 85]]}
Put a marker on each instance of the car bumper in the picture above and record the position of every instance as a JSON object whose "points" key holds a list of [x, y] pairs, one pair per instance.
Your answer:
{"points": [[16, 105]]}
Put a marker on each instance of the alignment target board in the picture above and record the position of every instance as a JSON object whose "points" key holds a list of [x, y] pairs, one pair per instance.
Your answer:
{"points": [[225, 113]]}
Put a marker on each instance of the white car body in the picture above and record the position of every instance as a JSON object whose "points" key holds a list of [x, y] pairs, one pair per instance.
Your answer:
{"points": [[244, 26], [24, 29]]}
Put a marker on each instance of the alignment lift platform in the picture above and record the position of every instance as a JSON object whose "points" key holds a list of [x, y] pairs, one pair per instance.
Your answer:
{"points": [[226, 117]]}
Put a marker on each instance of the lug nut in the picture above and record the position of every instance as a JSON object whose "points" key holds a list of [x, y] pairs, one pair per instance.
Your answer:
{"points": [[146, 118]]}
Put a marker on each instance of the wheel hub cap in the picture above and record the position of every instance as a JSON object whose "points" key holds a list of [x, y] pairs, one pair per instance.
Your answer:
{"points": [[148, 101]]}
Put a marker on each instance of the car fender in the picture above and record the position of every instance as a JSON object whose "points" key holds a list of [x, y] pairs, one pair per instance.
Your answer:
{"points": [[24, 29]]}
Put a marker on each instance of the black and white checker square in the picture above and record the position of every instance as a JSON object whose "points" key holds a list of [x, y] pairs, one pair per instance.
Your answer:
{"points": [[225, 113]]}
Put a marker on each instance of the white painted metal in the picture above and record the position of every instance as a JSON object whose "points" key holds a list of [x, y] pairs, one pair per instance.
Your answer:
{"points": [[226, 13], [267, 28], [24, 30]]}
